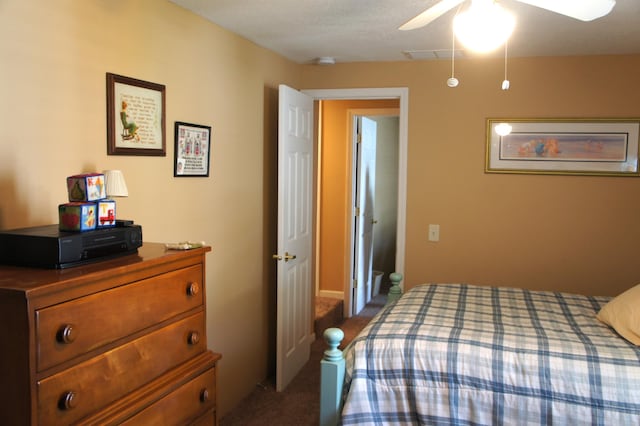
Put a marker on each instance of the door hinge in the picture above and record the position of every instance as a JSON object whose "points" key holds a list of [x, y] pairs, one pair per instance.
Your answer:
{"points": [[355, 283], [357, 211], [359, 139]]}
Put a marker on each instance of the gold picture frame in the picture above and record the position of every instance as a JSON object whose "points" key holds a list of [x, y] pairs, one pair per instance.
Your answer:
{"points": [[564, 146]]}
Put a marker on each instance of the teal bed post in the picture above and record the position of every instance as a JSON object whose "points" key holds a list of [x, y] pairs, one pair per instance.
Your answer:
{"points": [[394, 291], [331, 378]]}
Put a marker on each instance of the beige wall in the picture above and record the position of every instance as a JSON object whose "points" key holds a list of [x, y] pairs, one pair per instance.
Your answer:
{"points": [[53, 112], [576, 233], [571, 233]]}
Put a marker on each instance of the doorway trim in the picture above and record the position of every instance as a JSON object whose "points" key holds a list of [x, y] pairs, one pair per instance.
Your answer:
{"points": [[402, 94]]}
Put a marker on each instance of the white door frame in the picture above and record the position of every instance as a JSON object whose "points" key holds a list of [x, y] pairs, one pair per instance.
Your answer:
{"points": [[402, 94]]}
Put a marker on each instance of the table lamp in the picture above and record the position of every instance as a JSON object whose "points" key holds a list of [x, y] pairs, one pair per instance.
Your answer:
{"points": [[116, 187]]}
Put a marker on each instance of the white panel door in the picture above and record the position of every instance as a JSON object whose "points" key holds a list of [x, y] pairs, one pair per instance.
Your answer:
{"points": [[295, 232], [365, 201]]}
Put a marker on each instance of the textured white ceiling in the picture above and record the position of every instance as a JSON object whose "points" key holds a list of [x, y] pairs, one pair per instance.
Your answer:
{"points": [[366, 30]]}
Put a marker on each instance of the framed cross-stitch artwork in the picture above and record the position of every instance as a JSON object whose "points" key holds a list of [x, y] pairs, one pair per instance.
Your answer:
{"points": [[135, 117], [192, 150]]}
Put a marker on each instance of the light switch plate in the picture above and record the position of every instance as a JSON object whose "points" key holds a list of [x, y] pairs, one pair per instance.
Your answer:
{"points": [[434, 232]]}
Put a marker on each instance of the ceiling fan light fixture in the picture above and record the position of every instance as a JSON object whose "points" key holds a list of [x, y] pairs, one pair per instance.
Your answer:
{"points": [[483, 27]]}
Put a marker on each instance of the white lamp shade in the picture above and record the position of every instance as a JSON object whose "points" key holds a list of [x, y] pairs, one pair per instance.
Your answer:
{"points": [[115, 184], [484, 27]]}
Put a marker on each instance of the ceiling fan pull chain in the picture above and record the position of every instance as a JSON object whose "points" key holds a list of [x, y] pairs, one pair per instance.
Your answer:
{"points": [[453, 81], [505, 83]]}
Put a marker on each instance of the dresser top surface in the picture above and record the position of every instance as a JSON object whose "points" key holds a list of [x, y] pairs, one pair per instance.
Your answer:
{"points": [[23, 279]]}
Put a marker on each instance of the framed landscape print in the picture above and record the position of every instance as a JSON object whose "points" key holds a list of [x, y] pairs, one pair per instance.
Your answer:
{"points": [[563, 146]]}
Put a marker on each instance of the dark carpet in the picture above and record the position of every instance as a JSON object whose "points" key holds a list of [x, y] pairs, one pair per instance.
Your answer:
{"points": [[299, 403]]}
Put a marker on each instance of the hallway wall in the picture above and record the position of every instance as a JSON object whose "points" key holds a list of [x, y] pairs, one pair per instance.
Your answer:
{"points": [[386, 207]]}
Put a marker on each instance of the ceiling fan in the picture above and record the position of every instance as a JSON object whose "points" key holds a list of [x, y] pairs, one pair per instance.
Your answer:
{"points": [[584, 10]]}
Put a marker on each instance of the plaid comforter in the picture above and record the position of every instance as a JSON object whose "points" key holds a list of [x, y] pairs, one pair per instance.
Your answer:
{"points": [[466, 355]]}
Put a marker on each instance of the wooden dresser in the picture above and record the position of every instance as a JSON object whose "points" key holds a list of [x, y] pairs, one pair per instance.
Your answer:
{"points": [[119, 341]]}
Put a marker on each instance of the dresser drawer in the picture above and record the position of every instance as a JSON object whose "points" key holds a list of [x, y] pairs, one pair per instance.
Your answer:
{"points": [[209, 419], [185, 405], [72, 394], [69, 329]]}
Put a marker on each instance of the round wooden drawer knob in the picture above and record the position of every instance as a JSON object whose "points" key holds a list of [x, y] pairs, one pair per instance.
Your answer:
{"points": [[68, 400], [194, 338], [67, 334], [193, 289], [204, 395]]}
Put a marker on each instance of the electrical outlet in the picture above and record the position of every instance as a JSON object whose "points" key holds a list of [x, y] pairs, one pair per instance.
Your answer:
{"points": [[434, 233]]}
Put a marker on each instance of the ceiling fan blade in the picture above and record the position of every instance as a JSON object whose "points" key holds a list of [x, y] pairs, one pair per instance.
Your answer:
{"points": [[584, 10], [430, 14]]}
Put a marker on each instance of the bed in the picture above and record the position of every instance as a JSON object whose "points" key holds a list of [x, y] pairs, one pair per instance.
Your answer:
{"points": [[458, 354]]}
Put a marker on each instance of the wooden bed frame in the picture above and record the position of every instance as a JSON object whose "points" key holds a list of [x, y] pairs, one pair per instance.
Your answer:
{"points": [[332, 367]]}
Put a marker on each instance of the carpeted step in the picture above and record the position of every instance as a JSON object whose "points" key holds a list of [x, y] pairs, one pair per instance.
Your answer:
{"points": [[329, 313]]}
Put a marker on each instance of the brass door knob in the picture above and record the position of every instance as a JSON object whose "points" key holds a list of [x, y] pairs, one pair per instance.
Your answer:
{"points": [[287, 257]]}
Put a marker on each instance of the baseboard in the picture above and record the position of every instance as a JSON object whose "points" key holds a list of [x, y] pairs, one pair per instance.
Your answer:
{"points": [[331, 294]]}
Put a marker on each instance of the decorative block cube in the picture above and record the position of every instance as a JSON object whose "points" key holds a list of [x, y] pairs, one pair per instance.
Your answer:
{"points": [[86, 187], [106, 213], [77, 216]]}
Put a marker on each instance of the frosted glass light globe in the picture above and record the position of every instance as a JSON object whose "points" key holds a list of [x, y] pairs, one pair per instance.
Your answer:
{"points": [[484, 27]]}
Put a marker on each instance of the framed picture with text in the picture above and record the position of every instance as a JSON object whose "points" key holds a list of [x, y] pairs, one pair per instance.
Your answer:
{"points": [[192, 150], [135, 117]]}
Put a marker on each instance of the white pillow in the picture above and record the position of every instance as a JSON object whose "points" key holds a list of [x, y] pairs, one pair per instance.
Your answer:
{"points": [[623, 314]]}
